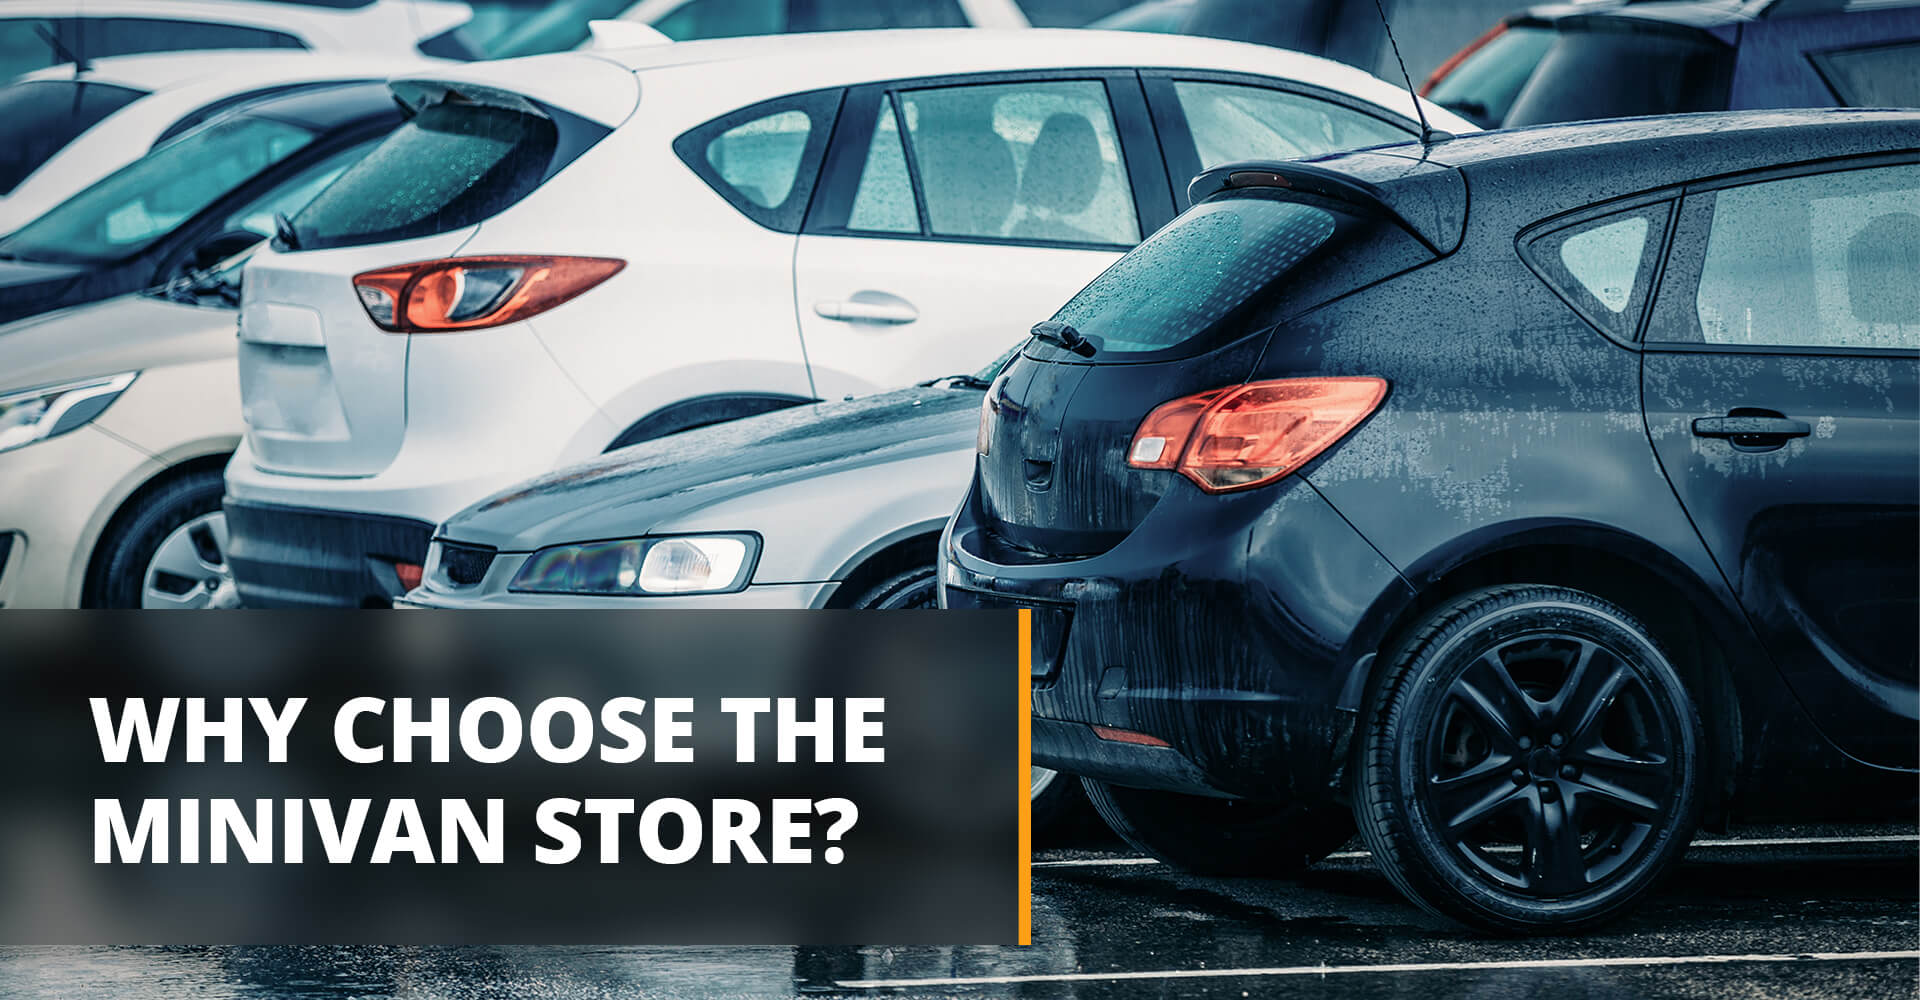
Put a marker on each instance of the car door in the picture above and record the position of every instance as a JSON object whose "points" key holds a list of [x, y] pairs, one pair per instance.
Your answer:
{"points": [[1206, 119], [955, 213], [1780, 360]]}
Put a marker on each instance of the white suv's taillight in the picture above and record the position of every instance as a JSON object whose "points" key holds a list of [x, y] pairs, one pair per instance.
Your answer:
{"points": [[471, 293]]}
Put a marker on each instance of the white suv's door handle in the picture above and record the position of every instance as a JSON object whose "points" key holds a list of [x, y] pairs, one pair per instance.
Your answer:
{"points": [[869, 307]]}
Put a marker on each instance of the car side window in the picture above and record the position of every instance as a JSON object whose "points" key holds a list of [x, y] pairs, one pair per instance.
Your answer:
{"points": [[1603, 267], [1875, 76], [883, 203], [1235, 122], [116, 36], [764, 159], [1818, 261], [1034, 161]]}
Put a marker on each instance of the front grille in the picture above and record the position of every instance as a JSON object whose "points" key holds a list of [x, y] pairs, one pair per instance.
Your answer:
{"points": [[464, 565]]}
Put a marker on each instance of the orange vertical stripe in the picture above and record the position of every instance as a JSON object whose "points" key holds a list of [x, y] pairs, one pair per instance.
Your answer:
{"points": [[1026, 777]]}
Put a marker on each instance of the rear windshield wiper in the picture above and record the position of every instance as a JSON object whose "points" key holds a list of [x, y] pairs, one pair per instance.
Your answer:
{"points": [[967, 381], [1063, 335]]}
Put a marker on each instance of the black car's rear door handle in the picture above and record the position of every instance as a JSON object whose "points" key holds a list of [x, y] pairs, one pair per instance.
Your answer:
{"points": [[1750, 427]]}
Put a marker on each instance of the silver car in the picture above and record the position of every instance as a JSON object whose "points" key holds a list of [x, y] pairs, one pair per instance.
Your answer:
{"points": [[828, 505]]}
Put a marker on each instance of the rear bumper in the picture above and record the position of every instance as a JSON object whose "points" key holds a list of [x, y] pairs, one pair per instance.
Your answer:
{"points": [[290, 557], [1221, 625]]}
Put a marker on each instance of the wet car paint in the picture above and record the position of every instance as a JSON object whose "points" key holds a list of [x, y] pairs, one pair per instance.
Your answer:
{"points": [[627, 492], [1477, 349]]}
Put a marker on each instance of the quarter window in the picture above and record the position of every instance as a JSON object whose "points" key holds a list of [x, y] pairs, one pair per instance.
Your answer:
{"points": [[1825, 260], [1605, 258], [1603, 267], [761, 159], [764, 159], [1037, 161], [1232, 122]]}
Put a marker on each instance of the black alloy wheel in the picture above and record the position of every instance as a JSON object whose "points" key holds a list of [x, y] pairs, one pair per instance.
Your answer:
{"points": [[1531, 761]]}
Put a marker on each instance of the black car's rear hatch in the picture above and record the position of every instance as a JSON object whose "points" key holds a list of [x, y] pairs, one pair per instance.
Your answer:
{"points": [[1192, 309]]}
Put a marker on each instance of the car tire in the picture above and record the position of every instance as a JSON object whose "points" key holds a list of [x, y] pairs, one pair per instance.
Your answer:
{"points": [[1055, 800], [1213, 836], [915, 588], [1530, 761], [167, 549]]}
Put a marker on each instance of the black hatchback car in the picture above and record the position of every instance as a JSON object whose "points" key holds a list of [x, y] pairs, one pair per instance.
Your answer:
{"points": [[1528, 498]]}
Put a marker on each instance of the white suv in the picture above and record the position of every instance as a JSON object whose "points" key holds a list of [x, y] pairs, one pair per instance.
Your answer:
{"points": [[573, 252]]}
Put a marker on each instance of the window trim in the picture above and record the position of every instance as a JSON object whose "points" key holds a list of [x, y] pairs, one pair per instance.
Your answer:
{"points": [[1688, 235], [825, 110], [1660, 239], [1182, 153], [853, 137]]}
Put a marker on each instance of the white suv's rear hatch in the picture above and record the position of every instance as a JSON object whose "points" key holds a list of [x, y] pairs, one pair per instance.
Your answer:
{"points": [[323, 387]]}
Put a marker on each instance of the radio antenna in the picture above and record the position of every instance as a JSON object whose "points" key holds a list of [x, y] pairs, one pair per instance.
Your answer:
{"points": [[1427, 135]]}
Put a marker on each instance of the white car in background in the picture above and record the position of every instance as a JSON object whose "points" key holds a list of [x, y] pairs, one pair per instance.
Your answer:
{"points": [[35, 34], [509, 28], [574, 252], [61, 131]]}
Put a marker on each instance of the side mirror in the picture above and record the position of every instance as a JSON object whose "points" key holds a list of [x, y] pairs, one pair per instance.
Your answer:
{"points": [[219, 248]]}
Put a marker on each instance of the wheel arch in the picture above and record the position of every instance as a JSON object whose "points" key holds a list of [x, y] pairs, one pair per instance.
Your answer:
{"points": [[702, 411], [91, 567], [1692, 619], [898, 550]]}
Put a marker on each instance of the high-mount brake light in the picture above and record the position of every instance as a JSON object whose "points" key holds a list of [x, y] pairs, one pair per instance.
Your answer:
{"points": [[472, 293], [1249, 435]]}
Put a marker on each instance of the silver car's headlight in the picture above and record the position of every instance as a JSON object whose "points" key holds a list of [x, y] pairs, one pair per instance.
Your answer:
{"points": [[30, 415], [675, 564]]}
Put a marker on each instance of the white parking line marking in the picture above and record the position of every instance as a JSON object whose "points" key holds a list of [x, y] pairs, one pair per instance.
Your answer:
{"points": [[1342, 970], [1892, 838]]}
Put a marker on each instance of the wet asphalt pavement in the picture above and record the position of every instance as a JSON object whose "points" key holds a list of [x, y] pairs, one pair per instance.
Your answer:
{"points": [[1813, 912]]}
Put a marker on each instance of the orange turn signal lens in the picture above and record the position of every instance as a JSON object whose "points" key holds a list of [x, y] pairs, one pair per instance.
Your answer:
{"points": [[1249, 435], [471, 293]]}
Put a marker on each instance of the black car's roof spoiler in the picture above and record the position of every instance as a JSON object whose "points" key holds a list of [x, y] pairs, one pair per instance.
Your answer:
{"points": [[1429, 199]]}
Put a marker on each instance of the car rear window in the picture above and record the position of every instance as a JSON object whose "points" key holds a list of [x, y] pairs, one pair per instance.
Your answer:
{"points": [[452, 165], [1618, 69], [1482, 88], [1231, 266], [38, 118], [1877, 76]]}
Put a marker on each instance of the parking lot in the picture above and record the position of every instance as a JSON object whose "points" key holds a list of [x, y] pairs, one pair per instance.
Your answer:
{"points": [[1777, 912]]}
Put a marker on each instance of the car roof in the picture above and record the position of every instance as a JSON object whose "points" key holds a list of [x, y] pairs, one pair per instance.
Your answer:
{"points": [[1545, 169], [787, 64], [241, 69]]}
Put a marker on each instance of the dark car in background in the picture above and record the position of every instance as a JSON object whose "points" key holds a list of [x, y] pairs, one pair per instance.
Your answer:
{"points": [[194, 201], [1526, 530], [1575, 61]]}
